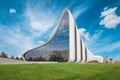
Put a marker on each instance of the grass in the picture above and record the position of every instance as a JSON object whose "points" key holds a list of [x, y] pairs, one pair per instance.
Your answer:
{"points": [[60, 71]]}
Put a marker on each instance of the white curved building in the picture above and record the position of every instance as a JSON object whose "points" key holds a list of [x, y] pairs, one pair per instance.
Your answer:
{"points": [[65, 45]]}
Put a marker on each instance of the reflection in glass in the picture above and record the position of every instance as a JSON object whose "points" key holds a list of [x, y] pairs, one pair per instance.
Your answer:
{"points": [[56, 49]]}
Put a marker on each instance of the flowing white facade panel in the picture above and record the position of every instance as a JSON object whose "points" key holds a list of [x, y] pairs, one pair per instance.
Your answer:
{"points": [[92, 57], [71, 38], [83, 52], [78, 47]]}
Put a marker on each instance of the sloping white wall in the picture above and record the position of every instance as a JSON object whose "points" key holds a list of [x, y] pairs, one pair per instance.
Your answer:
{"points": [[78, 47], [71, 38]]}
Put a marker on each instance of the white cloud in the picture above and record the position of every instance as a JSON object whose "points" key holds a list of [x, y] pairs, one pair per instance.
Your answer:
{"points": [[82, 31], [84, 34], [113, 46], [79, 10], [12, 11], [16, 41], [110, 18], [98, 45], [41, 42], [87, 36], [93, 41], [41, 20], [104, 46]]}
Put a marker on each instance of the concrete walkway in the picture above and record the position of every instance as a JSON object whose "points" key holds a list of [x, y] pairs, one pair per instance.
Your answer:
{"points": [[13, 61]]}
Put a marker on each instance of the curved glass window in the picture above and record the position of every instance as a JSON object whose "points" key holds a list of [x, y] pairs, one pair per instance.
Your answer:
{"points": [[57, 49]]}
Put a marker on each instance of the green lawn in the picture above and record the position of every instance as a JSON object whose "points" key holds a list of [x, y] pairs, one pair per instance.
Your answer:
{"points": [[60, 71]]}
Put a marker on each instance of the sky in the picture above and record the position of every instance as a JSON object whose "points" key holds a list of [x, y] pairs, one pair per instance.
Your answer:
{"points": [[26, 24]]}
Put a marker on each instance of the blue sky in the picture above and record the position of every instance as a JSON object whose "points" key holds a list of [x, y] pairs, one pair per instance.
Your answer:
{"points": [[25, 24]]}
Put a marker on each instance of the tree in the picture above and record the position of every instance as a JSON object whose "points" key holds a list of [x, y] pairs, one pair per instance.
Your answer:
{"points": [[3, 55], [21, 58], [17, 58], [12, 57]]}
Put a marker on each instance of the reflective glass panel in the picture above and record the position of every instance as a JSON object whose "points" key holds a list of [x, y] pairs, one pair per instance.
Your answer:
{"points": [[57, 49]]}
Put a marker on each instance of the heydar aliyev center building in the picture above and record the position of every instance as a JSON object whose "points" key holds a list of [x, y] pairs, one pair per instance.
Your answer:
{"points": [[65, 45]]}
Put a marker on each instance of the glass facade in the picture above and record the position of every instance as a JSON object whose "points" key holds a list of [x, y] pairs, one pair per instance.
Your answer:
{"points": [[57, 49]]}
